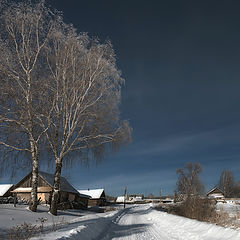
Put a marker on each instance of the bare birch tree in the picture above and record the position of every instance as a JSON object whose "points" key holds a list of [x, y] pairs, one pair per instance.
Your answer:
{"points": [[24, 31], [188, 180], [57, 84], [226, 183], [84, 94]]}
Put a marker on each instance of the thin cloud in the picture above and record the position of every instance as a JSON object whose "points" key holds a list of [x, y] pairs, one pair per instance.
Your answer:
{"points": [[206, 139]]}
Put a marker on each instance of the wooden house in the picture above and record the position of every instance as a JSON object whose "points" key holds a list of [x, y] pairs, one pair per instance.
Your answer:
{"points": [[68, 194], [216, 194], [97, 197]]}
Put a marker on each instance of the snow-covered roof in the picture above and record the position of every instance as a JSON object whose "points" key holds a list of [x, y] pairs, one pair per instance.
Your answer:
{"points": [[4, 188], [64, 184], [215, 190], [94, 193], [120, 199]]}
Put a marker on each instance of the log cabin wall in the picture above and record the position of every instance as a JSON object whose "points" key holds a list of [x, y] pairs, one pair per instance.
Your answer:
{"points": [[82, 202], [93, 202], [71, 197], [96, 202], [44, 197], [23, 192], [23, 197], [28, 182]]}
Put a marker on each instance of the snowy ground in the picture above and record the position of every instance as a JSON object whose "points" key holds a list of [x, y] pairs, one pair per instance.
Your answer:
{"points": [[136, 222], [229, 207], [143, 222], [11, 217]]}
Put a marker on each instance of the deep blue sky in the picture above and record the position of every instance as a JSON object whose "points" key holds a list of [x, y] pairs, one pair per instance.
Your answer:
{"points": [[181, 62]]}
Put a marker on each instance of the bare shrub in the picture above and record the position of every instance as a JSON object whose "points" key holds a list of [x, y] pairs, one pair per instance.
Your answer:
{"points": [[58, 224], [169, 208], [195, 207], [225, 220], [24, 231], [41, 220], [203, 209], [226, 183], [188, 182]]}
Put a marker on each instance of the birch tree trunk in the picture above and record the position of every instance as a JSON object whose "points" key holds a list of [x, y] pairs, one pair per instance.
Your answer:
{"points": [[35, 165], [56, 187], [25, 29]]}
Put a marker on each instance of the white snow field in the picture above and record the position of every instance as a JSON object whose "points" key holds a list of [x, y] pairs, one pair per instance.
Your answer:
{"points": [[141, 222], [229, 207], [11, 217]]}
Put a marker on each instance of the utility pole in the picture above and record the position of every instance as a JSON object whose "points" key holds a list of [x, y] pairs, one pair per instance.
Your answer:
{"points": [[160, 192], [125, 195]]}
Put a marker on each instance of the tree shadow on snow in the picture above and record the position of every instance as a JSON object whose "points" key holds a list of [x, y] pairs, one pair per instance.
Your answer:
{"points": [[139, 212], [4, 233], [118, 231], [68, 213], [103, 229]]}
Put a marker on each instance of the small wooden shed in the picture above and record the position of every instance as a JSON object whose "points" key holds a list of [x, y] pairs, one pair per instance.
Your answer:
{"points": [[68, 194], [215, 193], [97, 197]]}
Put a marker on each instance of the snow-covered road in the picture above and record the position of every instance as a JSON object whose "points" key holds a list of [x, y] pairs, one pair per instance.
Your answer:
{"points": [[142, 222], [134, 223]]}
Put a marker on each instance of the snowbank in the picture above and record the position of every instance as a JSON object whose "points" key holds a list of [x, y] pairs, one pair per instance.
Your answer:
{"points": [[89, 227]]}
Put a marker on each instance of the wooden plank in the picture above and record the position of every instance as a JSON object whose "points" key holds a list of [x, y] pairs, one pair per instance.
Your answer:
{"points": [[28, 189]]}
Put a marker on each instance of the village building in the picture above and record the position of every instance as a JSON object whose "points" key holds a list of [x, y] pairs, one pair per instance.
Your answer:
{"points": [[135, 198], [216, 194], [5, 190], [6, 194], [120, 199], [69, 196], [97, 197]]}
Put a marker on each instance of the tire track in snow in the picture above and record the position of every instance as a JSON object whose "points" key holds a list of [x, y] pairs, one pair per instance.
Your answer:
{"points": [[131, 225], [144, 223]]}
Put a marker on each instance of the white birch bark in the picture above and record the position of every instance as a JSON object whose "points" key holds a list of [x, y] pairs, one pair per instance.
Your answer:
{"points": [[25, 30]]}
